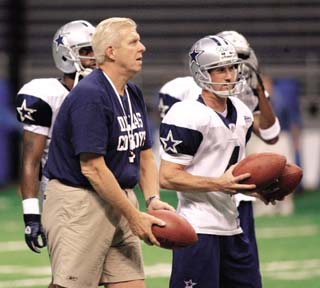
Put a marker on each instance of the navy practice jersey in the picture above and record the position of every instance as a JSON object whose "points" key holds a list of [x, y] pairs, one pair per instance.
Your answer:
{"points": [[91, 120], [37, 105], [207, 144]]}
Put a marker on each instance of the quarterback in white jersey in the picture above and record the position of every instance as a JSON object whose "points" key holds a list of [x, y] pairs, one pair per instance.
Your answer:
{"points": [[37, 105], [266, 125], [201, 140], [207, 143]]}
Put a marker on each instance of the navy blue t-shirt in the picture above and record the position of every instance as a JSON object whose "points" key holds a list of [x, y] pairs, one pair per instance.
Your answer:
{"points": [[91, 120]]}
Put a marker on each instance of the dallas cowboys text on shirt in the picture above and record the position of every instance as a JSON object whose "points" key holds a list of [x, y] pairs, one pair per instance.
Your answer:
{"points": [[138, 138]]}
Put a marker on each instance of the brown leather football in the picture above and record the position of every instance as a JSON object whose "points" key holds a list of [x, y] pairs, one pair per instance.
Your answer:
{"points": [[264, 168], [287, 182], [177, 233]]}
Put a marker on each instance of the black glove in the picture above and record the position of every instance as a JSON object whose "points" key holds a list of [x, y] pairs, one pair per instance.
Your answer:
{"points": [[33, 229], [272, 192]]}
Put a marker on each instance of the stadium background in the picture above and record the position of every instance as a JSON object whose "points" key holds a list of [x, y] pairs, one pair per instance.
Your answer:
{"points": [[286, 37], [284, 33]]}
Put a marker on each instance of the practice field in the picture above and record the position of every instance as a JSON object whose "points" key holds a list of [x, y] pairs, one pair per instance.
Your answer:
{"points": [[289, 248]]}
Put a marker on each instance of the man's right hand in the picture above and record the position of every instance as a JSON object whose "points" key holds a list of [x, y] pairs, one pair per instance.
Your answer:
{"points": [[141, 226], [34, 230], [231, 185]]}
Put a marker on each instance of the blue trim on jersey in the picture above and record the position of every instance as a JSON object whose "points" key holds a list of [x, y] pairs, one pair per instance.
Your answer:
{"points": [[165, 103], [179, 140], [33, 110], [249, 133], [231, 113], [91, 120]]}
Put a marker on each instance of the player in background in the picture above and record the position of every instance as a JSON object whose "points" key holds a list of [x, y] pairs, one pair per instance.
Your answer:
{"points": [[201, 140], [38, 103], [266, 125]]}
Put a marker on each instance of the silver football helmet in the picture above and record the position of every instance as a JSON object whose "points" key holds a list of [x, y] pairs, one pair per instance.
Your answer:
{"points": [[246, 53], [67, 42], [238, 41], [213, 52]]}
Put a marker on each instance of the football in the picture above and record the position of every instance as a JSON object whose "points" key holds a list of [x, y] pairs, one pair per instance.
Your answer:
{"points": [[264, 168], [177, 233], [289, 179]]}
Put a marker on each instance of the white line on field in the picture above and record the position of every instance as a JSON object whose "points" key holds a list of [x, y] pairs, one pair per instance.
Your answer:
{"points": [[25, 283], [282, 232], [13, 246]]}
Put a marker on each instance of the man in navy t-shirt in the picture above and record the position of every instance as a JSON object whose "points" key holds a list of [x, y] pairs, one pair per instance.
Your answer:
{"points": [[100, 149]]}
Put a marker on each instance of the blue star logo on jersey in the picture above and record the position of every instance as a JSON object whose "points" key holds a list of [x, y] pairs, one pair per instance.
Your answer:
{"points": [[59, 40], [195, 54], [25, 112], [189, 284], [169, 144]]}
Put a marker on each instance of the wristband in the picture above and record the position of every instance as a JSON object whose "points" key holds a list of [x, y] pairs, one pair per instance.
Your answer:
{"points": [[148, 201], [271, 132], [31, 206]]}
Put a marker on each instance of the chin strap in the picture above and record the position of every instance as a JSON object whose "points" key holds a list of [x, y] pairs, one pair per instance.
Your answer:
{"points": [[81, 73]]}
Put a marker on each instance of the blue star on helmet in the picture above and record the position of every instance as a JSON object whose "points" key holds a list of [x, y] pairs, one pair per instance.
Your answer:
{"points": [[169, 144], [25, 112], [195, 54], [59, 40]]}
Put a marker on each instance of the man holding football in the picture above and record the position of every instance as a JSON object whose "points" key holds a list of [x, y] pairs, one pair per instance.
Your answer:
{"points": [[201, 140], [100, 150], [266, 125]]}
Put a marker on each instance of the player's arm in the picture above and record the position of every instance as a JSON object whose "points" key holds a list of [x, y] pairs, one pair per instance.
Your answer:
{"points": [[266, 125], [33, 148], [149, 181], [93, 167], [174, 176]]}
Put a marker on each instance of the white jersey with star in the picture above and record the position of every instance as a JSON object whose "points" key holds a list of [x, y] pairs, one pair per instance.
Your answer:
{"points": [[38, 103], [185, 88], [194, 135]]}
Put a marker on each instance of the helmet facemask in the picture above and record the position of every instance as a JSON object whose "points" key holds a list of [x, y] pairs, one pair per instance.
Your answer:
{"points": [[234, 88], [75, 56], [214, 52]]}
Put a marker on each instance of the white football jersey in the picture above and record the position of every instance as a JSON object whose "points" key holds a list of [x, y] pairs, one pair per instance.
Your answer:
{"points": [[38, 103], [207, 143], [185, 88]]}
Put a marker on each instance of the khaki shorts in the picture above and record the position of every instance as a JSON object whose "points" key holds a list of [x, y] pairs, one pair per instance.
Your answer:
{"points": [[88, 241]]}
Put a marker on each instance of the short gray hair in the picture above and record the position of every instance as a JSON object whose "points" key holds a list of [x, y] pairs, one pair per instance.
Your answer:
{"points": [[108, 33]]}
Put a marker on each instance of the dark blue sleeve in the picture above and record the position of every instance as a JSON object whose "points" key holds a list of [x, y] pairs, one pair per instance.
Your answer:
{"points": [[33, 110], [89, 129], [179, 140], [165, 103]]}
